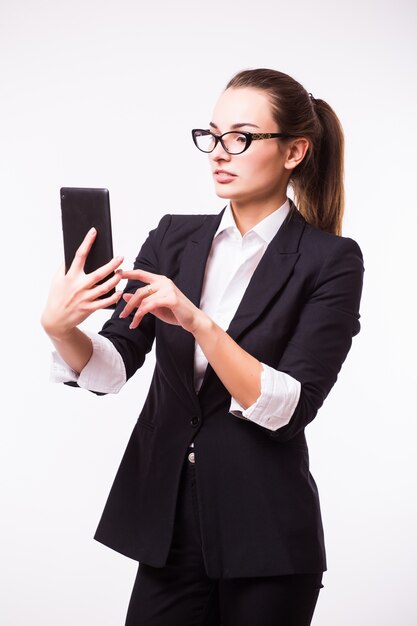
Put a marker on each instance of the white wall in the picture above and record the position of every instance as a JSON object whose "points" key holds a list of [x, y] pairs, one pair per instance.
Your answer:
{"points": [[86, 89]]}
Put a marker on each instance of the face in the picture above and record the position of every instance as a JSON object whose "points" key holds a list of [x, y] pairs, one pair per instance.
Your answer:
{"points": [[257, 175]]}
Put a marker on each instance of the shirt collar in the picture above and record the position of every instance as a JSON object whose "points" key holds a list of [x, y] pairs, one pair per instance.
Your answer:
{"points": [[266, 229]]}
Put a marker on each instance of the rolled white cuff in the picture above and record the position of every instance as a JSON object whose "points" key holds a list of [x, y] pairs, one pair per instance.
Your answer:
{"points": [[60, 372], [275, 406], [105, 371]]}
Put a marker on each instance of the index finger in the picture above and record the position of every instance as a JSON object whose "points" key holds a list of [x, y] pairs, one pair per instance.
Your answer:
{"points": [[145, 277], [83, 250]]}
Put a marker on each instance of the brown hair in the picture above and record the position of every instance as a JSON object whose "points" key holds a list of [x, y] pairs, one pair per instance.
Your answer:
{"points": [[318, 180]]}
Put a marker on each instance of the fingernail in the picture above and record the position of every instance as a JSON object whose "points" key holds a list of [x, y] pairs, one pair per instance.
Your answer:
{"points": [[92, 231]]}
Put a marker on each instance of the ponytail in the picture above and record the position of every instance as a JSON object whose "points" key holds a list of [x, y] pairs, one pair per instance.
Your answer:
{"points": [[317, 181]]}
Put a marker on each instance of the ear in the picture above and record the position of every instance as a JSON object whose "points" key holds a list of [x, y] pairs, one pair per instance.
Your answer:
{"points": [[296, 152]]}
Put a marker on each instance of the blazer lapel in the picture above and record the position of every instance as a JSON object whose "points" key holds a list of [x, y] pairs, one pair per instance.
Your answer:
{"points": [[190, 281], [193, 263], [270, 276]]}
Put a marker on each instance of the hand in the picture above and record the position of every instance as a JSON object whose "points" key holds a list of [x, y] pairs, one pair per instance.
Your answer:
{"points": [[163, 299], [73, 296]]}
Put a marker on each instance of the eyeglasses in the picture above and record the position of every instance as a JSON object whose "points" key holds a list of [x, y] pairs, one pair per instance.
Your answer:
{"points": [[232, 142]]}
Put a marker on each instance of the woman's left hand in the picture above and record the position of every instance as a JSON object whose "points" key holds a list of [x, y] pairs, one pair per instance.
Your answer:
{"points": [[161, 298]]}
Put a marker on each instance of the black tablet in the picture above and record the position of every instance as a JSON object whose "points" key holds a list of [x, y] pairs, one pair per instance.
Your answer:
{"points": [[81, 209]]}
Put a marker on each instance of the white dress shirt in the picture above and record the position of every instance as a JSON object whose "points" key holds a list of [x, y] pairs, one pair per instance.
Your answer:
{"points": [[230, 266]]}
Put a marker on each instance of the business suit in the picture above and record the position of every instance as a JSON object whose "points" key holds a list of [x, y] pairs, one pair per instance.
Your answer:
{"points": [[258, 504]]}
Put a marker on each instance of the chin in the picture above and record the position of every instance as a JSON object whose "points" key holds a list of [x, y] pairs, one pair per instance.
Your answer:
{"points": [[222, 193]]}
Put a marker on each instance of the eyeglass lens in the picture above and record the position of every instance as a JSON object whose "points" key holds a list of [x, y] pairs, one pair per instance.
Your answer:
{"points": [[234, 142]]}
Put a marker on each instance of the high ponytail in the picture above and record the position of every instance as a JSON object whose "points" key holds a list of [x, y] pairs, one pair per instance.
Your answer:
{"points": [[317, 181]]}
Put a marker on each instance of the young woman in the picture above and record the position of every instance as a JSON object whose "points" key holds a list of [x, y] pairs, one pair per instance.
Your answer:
{"points": [[253, 312]]}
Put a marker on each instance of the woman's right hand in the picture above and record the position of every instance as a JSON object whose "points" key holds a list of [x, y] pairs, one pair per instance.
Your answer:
{"points": [[73, 296]]}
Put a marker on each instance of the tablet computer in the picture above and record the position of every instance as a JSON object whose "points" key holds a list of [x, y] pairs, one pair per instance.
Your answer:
{"points": [[81, 209]]}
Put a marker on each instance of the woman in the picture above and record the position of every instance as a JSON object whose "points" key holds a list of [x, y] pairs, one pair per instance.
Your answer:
{"points": [[213, 496]]}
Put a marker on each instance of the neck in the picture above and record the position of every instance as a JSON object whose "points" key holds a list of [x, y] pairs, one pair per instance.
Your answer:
{"points": [[248, 214]]}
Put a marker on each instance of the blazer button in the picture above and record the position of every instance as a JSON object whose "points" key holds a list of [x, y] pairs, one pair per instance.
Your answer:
{"points": [[195, 420]]}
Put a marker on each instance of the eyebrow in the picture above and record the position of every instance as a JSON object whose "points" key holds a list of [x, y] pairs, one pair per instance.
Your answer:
{"points": [[234, 126]]}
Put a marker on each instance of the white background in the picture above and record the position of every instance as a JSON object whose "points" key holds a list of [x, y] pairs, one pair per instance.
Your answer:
{"points": [[104, 93]]}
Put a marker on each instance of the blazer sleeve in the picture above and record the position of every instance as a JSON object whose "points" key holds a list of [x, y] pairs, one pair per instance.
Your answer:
{"points": [[134, 344], [323, 335]]}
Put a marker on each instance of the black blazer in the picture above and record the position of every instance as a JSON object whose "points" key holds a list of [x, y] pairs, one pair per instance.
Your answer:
{"points": [[259, 506]]}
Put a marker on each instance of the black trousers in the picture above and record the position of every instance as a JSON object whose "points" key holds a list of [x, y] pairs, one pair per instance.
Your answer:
{"points": [[181, 594]]}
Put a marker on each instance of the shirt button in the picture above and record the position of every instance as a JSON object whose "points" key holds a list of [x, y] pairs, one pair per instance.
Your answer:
{"points": [[194, 420], [191, 457]]}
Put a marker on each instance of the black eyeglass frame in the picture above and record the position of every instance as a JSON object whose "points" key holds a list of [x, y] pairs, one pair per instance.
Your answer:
{"points": [[249, 138]]}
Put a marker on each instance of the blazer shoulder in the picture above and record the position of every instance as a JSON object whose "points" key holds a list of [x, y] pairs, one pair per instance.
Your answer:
{"points": [[182, 223], [190, 222], [323, 244], [178, 229]]}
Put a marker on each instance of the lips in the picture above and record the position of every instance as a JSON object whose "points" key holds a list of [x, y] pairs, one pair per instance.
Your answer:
{"points": [[222, 176], [224, 172]]}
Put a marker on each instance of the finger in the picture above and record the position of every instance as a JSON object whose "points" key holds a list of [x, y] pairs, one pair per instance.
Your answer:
{"points": [[146, 307], [105, 302], [103, 288], [105, 270], [153, 303], [145, 277], [134, 301], [80, 257]]}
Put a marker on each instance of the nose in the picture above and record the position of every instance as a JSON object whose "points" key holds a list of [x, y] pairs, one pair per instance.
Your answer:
{"points": [[219, 153]]}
